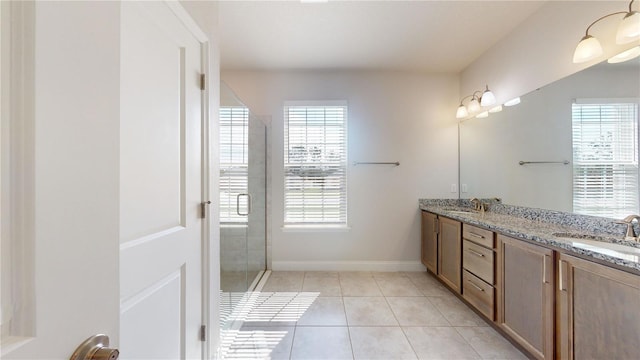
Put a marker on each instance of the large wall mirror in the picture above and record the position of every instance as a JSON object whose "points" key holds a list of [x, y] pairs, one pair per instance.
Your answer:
{"points": [[560, 132]]}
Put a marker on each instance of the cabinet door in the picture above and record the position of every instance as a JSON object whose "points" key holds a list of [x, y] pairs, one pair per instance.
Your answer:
{"points": [[430, 241], [525, 295], [598, 311], [449, 252]]}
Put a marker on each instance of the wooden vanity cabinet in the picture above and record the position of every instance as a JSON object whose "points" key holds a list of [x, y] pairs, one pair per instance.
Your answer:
{"points": [[429, 246], [525, 295], [478, 274], [598, 311], [449, 252]]}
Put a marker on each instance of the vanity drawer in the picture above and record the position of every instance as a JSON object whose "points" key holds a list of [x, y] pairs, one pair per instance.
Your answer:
{"points": [[478, 293], [478, 235], [478, 260]]}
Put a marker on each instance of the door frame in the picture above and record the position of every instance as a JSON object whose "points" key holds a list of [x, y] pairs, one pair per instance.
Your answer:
{"points": [[17, 175]]}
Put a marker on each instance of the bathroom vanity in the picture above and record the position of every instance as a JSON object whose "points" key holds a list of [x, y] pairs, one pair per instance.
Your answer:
{"points": [[560, 285]]}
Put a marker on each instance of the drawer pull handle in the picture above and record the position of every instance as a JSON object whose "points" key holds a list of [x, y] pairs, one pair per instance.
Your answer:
{"points": [[476, 235], [475, 253], [475, 286]]}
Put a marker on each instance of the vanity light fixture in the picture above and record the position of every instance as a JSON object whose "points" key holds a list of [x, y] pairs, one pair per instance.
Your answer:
{"points": [[589, 47], [479, 99], [629, 28], [512, 102], [483, 114], [487, 98], [462, 112], [474, 105], [625, 55]]}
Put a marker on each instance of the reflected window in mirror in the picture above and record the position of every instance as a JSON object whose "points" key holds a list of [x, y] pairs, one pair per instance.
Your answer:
{"points": [[234, 163], [605, 157]]}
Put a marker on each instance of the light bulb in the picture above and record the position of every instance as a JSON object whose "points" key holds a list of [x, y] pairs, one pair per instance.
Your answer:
{"points": [[487, 98], [483, 114], [462, 112], [588, 48], [474, 105], [625, 55], [629, 28], [512, 102], [496, 109]]}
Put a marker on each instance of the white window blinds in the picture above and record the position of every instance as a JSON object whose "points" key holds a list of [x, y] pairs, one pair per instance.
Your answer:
{"points": [[315, 164], [234, 161], [605, 159]]}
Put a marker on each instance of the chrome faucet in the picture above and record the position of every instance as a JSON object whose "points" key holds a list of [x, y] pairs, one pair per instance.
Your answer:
{"points": [[478, 205], [631, 234]]}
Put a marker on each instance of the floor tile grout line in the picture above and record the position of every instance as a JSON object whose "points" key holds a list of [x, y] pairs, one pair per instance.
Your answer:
{"points": [[409, 341], [439, 311], [293, 338], [470, 344], [400, 326]]}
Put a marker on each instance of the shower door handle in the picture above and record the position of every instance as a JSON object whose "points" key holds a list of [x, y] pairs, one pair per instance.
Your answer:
{"points": [[248, 204]]}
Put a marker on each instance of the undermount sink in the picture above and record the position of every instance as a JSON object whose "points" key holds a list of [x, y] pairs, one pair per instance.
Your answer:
{"points": [[579, 236], [460, 211], [597, 244]]}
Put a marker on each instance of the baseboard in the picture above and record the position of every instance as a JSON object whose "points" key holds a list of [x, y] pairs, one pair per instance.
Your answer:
{"points": [[347, 266]]}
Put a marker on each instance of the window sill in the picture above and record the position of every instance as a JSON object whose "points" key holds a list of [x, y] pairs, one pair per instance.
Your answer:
{"points": [[315, 228]]}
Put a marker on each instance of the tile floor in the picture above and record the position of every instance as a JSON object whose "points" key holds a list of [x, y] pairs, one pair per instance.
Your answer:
{"points": [[358, 315]]}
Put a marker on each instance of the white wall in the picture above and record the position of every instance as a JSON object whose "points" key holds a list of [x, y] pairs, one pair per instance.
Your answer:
{"points": [[536, 130], [404, 117], [540, 50]]}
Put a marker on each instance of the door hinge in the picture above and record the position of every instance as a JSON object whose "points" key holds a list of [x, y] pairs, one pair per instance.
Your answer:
{"points": [[203, 81], [203, 333], [203, 209]]}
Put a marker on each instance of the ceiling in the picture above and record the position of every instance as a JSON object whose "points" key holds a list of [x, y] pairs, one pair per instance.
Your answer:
{"points": [[428, 36]]}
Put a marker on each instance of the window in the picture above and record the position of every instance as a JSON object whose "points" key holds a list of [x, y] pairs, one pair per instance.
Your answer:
{"points": [[315, 164], [605, 158], [234, 161]]}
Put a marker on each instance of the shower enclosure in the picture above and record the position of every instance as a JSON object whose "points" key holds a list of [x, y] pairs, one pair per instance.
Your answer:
{"points": [[243, 182]]}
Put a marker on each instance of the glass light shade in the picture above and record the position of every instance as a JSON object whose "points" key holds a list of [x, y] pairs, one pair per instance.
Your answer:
{"points": [[474, 105], [483, 114], [487, 98], [496, 109], [625, 55], [629, 28], [462, 112], [588, 48], [512, 102]]}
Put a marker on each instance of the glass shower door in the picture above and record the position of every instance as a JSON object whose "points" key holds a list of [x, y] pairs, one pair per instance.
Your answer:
{"points": [[242, 200]]}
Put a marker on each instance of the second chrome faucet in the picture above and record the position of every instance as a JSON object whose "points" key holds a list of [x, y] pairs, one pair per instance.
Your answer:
{"points": [[630, 234]]}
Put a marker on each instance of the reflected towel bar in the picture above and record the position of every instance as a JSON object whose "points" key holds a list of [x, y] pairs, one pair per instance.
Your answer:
{"points": [[396, 163], [565, 162]]}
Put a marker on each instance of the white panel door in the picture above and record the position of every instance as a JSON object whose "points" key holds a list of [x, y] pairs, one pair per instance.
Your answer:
{"points": [[160, 185]]}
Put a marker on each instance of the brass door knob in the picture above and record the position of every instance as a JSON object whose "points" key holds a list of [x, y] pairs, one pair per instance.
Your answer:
{"points": [[95, 348]]}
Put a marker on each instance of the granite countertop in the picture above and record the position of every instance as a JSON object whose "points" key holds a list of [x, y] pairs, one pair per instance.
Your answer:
{"points": [[574, 234]]}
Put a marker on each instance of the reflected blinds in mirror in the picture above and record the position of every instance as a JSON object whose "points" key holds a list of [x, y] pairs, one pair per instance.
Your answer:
{"points": [[315, 164], [234, 161], [605, 158]]}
